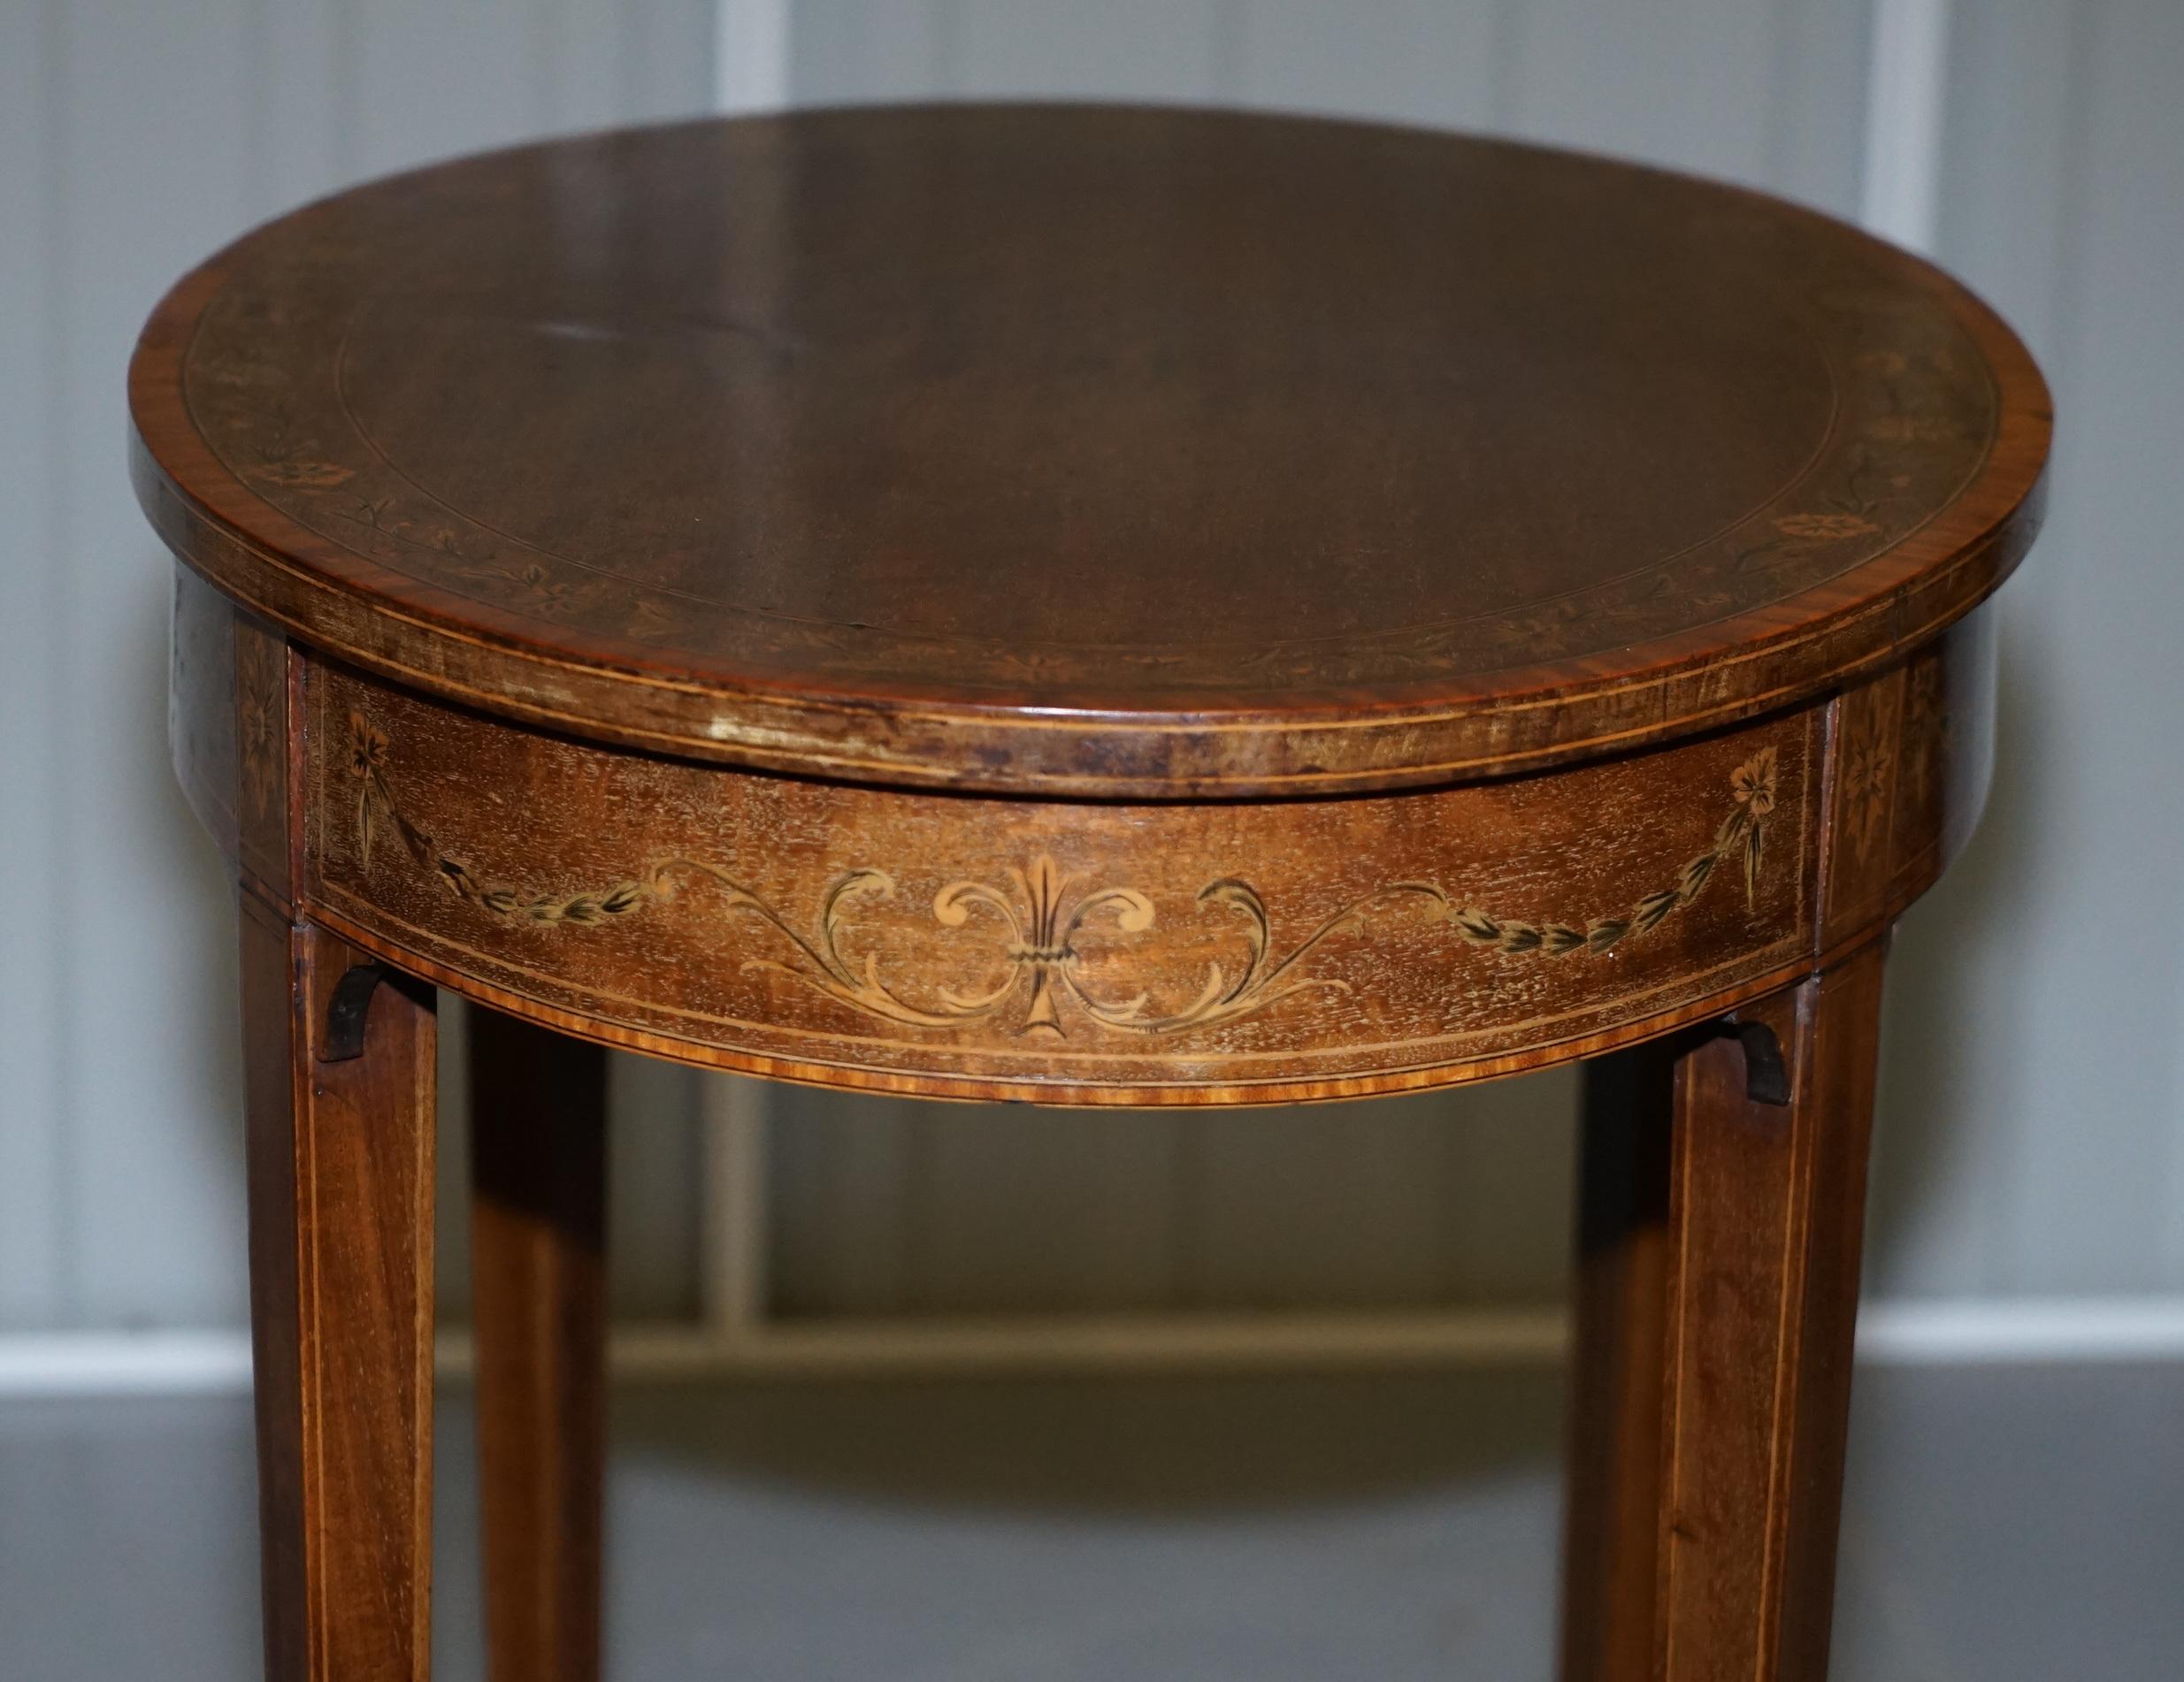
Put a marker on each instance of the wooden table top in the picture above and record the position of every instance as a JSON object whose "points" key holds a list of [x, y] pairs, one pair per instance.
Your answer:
{"points": [[1088, 450]]}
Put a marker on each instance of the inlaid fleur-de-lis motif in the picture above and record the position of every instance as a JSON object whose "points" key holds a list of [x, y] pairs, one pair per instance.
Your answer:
{"points": [[1042, 938], [1043, 910]]}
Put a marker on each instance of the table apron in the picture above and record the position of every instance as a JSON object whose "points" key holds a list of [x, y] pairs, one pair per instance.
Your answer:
{"points": [[1081, 952]]}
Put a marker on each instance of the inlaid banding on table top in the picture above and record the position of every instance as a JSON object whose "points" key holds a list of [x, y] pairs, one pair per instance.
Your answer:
{"points": [[1911, 428], [957, 937]]}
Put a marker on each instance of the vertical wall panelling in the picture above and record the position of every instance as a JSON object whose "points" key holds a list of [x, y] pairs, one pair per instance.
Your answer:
{"points": [[1414, 61], [2042, 1155], [844, 1180], [1397, 1202], [35, 968], [1148, 49], [1608, 77], [299, 115], [2096, 1203], [750, 55], [581, 52], [851, 51], [655, 1190], [734, 1287], [1947, 1152], [1906, 89], [2031, 1139], [132, 140], [151, 153], [1821, 56], [1019, 1210]]}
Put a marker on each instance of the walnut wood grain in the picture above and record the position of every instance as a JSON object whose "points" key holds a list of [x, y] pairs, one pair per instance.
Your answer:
{"points": [[341, 1199], [1123, 453]]}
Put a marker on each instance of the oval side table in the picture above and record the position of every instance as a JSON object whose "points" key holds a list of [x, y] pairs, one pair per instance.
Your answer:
{"points": [[1087, 607]]}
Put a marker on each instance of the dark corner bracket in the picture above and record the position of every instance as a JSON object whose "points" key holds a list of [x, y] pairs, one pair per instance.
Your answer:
{"points": [[1766, 1076], [344, 1038]]}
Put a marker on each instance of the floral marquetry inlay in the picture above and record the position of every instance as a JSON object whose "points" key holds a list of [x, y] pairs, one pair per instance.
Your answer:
{"points": [[1028, 967], [1925, 729], [1868, 770], [258, 721]]}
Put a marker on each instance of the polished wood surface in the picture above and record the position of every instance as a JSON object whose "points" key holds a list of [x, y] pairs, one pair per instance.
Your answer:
{"points": [[1132, 954], [1611, 1554], [1067, 951], [1096, 451], [1767, 1213], [340, 1200], [1719, 1241], [539, 1295], [1086, 606]]}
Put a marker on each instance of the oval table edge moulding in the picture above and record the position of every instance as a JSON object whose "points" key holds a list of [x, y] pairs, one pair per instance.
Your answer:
{"points": [[1085, 605]]}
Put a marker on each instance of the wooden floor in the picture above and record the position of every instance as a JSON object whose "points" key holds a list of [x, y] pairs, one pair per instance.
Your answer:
{"points": [[2003, 1524]]}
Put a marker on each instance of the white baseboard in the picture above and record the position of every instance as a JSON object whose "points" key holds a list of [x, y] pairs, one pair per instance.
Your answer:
{"points": [[91, 1364], [1063, 1343], [2030, 1329], [2025, 1328]]}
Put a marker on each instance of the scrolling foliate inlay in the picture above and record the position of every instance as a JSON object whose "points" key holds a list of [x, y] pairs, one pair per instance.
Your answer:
{"points": [[1041, 912], [1915, 418]]}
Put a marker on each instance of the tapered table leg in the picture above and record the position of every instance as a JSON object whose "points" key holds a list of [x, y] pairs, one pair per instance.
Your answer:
{"points": [[1609, 1560], [340, 1196], [1717, 1293], [538, 1155]]}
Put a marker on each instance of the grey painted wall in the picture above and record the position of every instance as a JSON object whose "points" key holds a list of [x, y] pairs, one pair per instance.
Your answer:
{"points": [[135, 137], [2033, 1127], [2034, 1136]]}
